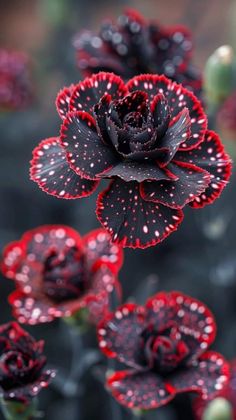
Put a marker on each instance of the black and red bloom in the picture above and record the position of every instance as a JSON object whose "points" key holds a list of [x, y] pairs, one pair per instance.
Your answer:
{"points": [[150, 137], [163, 344], [228, 393], [15, 83], [132, 46], [22, 362], [57, 273]]}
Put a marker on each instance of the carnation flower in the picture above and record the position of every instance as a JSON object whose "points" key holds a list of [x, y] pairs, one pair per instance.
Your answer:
{"points": [[15, 85], [22, 364], [132, 46], [150, 137], [228, 393], [57, 273], [164, 347]]}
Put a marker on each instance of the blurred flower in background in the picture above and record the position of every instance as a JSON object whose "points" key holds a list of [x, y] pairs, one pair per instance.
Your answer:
{"points": [[15, 80], [133, 45], [57, 273]]}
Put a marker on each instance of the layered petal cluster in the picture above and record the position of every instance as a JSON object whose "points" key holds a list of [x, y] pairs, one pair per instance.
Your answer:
{"points": [[15, 80], [150, 137], [57, 273], [132, 46], [228, 393], [22, 362], [164, 347]]}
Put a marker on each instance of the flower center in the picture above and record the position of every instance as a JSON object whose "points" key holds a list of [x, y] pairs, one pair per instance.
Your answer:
{"points": [[134, 119], [164, 351], [64, 275]]}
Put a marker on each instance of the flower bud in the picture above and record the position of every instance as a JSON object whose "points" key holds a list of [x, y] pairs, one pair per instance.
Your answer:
{"points": [[218, 409], [219, 75]]}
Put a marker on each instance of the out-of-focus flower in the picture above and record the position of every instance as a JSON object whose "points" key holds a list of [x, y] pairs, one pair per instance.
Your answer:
{"points": [[163, 345], [226, 118], [150, 137], [132, 46], [202, 408], [15, 83], [57, 273], [22, 373]]}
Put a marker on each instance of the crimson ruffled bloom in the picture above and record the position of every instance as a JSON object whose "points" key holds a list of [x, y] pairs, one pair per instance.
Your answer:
{"points": [[228, 392], [15, 84], [22, 362], [164, 345], [132, 46], [150, 137], [57, 273]]}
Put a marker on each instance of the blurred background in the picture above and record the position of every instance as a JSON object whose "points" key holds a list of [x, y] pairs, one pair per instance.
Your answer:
{"points": [[199, 259]]}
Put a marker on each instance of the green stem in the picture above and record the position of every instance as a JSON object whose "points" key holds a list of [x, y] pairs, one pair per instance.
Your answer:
{"points": [[18, 411]]}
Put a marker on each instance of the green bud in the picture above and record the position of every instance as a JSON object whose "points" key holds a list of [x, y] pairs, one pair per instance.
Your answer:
{"points": [[79, 320], [218, 409], [220, 75], [18, 411]]}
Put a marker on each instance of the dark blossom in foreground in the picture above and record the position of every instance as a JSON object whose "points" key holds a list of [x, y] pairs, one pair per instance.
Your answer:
{"points": [[15, 83], [132, 46], [57, 273], [228, 393], [150, 137], [163, 345], [22, 373]]}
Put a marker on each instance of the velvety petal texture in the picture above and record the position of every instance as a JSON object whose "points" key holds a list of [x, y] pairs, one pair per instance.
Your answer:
{"points": [[165, 343]]}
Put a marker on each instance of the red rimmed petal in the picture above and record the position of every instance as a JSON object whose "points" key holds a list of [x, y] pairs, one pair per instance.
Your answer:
{"points": [[88, 92], [119, 334], [41, 240], [144, 391], [195, 321], [51, 171], [210, 155], [98, 247], [86, 153], [138, 171], [176, 194], [178, 98], [132, 221], [12, 256], [25, 393], [207, 376], [63, 100]]}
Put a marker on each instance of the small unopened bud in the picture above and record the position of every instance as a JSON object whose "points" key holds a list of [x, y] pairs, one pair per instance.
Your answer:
{"points": [[220, 75], [218, 409]]}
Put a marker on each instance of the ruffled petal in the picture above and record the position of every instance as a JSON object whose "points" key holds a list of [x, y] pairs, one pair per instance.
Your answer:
{"points": [[178, 98], [87, 154], [144, 391], [138, 171], [209, 155], [63, 100], [119, 334], [88, 92], [51, 171], [176, 194], [131, 221]]}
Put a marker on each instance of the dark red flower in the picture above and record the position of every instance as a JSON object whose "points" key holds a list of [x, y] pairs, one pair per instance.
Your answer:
{"points": [[150, 137], [228, 392], [58, 273], [132, 46], [15, 84], [164, 346], [22, 374]]}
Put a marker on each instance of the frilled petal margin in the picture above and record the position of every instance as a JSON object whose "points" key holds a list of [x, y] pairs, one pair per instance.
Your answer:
{"points": [[88, 92], [119, 334], [192, 182], [86, 153], [132, 221], [51, 171], [145, 390], [178, 98], [63, 100], [209, 155], [25, 393]]}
